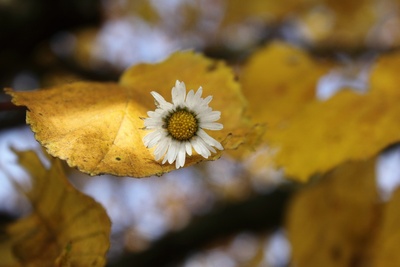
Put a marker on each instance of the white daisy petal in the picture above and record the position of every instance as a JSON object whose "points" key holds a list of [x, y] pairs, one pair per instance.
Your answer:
{"points": [[159, 111], [190, 99], [169, 150], [151, 113], [161, 101], [179, 94], [207, 152], [210, 116], [188, 147], [180, 160], [210, 148], [209, 140], [172, 152], [200, 147], [198, 94], [214, 126], [165, 159], [162, 147], [152, 139], [207, 100], [152, 123], [186, 118]]}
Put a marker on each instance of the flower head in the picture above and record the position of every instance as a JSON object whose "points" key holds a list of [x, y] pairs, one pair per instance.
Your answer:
{"points": [[178, 126]]}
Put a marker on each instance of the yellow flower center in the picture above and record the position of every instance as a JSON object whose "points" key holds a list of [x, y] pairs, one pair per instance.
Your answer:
{"points": [[182, 125]]}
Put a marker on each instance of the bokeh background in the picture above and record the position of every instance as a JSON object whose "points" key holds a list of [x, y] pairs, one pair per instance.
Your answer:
{"points": [[221, 213]]}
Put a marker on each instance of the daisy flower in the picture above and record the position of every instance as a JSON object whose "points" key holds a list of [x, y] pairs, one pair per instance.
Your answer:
{"points": [[179, 126]]}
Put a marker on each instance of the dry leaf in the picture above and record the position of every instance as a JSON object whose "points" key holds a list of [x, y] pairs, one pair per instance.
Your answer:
{"points": [[66, 227], [97, 127], [330, 223]]}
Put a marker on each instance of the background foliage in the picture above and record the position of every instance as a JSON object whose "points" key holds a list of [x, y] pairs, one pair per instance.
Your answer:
{"points": [[308, 92]]}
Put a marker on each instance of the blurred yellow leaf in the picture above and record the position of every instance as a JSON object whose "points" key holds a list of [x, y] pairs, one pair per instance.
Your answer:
{"points": [[97, 127], [278, 80], [324, 24], [341, 222], [66, 227], [333, 23], [348, 126], [86, 43], [385, 249], [330, 223], [311, 135], [384, 76]]}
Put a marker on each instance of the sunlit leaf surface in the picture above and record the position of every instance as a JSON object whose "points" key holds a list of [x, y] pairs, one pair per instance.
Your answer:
{"points": [[66, 227], [97, 127]]}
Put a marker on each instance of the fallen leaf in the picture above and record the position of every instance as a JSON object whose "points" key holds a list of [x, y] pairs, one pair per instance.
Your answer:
{"points": [[330, 223], [97, 127], [66, 227]]}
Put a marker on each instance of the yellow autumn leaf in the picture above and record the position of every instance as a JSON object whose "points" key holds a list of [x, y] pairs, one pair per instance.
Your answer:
{"points": [[384, 77], [349, 126], [278, 80], [313, 136], [323, 24], [97, 127], [66, 227], [195, 70], [286, 77], [339, 23], [330, 223], [385, 249]]}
